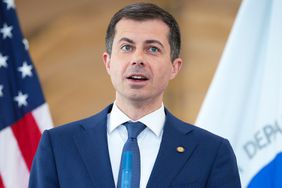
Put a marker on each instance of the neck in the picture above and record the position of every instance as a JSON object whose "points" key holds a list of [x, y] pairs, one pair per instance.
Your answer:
{"points": [[137, 109]]}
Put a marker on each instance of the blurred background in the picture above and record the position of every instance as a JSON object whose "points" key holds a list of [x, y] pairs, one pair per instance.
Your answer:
{"points": [[66, 39]]}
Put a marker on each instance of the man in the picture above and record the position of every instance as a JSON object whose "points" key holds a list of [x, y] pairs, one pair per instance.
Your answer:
{"points": [[142, 56]]}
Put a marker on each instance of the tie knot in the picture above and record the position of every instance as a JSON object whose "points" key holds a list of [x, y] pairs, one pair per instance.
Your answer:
{"points": [[134, 128]]}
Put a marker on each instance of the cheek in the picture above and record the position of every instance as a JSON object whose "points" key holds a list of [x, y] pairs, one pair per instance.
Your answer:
{"points": [[164, 72], [161, 78], [116, 70]]}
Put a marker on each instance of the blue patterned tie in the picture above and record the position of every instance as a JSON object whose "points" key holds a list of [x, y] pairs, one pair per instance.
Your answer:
{"points": [[129, 171]]}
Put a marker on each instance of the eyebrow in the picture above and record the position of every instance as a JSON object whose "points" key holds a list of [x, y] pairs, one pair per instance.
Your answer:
{"points": [[154, 41], [126, 40], [151, 41]]}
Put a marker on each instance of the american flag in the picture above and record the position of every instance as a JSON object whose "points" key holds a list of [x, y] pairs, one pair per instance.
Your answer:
{"points": [[24, 113]]}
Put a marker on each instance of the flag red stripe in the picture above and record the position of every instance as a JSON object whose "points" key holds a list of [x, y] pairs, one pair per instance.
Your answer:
{"points": [[1, 183], [27, 134]]}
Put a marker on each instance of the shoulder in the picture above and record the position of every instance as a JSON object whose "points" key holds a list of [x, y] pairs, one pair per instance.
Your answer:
{"points": [[85, 123], [186, 128], [199, 135], [215, 154], [206, 142], [209, 136], [209, 140]]}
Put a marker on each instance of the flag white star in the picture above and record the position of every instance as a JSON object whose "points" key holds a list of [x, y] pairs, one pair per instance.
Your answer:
{"points": [[25, 69], [1, 90], [3, 61], [21, 99], [10, 4], [6, 31], [26, 44]]}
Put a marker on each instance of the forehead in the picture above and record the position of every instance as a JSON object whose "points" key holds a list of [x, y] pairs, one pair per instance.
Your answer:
{"points": [[153, 29]]}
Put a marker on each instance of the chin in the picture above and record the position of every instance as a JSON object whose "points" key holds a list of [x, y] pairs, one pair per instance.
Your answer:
{"points": [[138, 97]]}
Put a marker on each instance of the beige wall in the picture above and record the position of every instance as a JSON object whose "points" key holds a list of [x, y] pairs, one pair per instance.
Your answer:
{"points": [[67, 40]]}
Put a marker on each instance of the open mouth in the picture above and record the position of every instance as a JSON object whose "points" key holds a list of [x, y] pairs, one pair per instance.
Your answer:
{"points": [[137, 77]]}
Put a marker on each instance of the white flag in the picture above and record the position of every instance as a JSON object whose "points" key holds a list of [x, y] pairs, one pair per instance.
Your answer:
{"points": [[244, 101]]}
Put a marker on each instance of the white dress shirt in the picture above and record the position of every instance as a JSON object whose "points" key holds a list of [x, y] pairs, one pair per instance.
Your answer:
{"points": [[149, 140]]}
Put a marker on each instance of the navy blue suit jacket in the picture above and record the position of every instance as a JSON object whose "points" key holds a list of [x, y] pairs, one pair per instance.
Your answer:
{"points": [[76, 155]]}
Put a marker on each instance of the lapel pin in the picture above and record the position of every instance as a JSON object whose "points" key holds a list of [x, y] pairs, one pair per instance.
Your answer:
{"points": [[180, 149]]}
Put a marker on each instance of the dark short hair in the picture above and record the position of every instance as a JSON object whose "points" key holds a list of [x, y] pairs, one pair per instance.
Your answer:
{"points": [[146, 11]]}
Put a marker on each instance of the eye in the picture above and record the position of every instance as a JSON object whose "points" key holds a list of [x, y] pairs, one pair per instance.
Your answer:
{"points": [[154, 49], [126, 48]]}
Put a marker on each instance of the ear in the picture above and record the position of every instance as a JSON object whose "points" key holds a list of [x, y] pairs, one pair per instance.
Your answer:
{"points": [[107, 60], [176, 67]]}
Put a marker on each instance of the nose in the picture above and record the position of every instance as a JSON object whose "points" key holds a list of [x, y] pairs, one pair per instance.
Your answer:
{"points": [[138, 58]]}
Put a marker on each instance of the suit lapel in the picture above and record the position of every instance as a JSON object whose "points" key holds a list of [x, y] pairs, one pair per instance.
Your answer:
{"points": [[92, 145], [170, 161]]}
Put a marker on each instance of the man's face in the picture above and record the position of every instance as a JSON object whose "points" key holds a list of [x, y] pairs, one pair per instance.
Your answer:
{"points": [[140, 65]]}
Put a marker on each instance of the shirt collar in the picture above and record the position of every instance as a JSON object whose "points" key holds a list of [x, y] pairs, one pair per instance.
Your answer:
{"points": [[154, 121]]}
